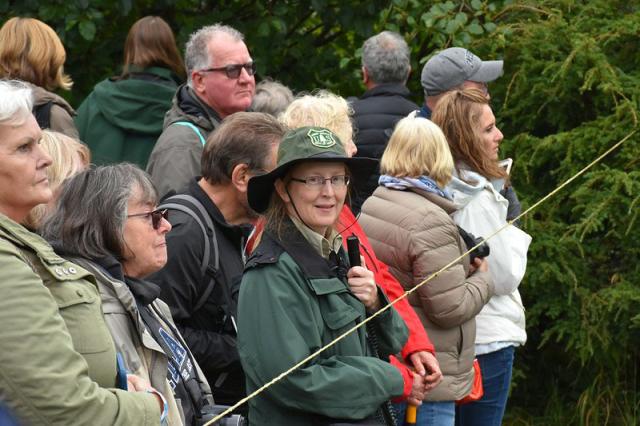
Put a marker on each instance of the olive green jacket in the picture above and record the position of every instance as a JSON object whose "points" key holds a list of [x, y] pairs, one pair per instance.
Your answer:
{"points": [[292, 303], [57, 359]]}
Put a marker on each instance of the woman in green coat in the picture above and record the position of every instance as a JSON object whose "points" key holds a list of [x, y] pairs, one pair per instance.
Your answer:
{"points": [[58, 363], [298, 294], [123, 117]]}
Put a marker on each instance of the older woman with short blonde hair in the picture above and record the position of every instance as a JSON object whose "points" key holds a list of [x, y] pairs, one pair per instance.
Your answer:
{"points": [[408, 223], [323, 109], [32, 51]]}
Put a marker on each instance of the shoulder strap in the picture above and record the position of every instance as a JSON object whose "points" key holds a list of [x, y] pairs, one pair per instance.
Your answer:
{"points": [[194, 128], [194, 208]]}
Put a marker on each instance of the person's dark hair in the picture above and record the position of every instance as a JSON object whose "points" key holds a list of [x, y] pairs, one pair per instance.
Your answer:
{"points": [[458, 115], [89, 218], [151, 42], [386, 58], [242, 138]]}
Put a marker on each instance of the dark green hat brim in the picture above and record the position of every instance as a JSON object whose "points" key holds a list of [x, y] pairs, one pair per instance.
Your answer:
{"points": [[261, 187]]}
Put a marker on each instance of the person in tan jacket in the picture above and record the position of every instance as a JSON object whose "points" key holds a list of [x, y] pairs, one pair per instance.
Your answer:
{"points": [[409, 226]]}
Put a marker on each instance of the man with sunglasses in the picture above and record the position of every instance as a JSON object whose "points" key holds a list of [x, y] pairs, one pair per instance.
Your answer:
{"points": [[220, 82], [203, 300]]}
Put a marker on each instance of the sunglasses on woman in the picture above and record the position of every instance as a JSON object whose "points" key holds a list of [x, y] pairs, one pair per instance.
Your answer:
{"points": [[156, 216]]}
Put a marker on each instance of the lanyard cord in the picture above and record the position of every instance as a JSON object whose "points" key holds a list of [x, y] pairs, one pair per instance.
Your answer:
{"points": [[408, 292]]}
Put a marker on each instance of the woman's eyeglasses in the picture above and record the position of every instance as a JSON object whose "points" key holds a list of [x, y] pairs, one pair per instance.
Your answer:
{"points": [[317, 182], [156, 216], [233, 71]]}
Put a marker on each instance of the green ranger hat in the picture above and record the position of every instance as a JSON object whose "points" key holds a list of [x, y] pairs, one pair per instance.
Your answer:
{"points": [[306, 144]]}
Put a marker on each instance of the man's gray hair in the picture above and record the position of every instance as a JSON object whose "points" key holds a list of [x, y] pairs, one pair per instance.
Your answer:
{"points": [[386, 58], [16, 102], [272, 97], [196, 54], [88, 220]]}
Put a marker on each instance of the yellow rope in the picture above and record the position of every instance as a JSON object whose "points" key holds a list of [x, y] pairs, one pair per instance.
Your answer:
{"points": [[408, 292]]}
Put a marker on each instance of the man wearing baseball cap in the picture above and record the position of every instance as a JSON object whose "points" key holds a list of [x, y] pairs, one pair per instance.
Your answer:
{"points": [[455, 68]]}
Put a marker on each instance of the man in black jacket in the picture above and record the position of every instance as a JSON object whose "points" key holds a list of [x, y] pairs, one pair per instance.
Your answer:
{"points": [[203, 300], [385, 70]]}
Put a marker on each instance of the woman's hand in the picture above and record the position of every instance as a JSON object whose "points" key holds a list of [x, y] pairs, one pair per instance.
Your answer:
{"points": [[434, 375], [417, 390], [137, 384], [479, 264], [364, 287]]}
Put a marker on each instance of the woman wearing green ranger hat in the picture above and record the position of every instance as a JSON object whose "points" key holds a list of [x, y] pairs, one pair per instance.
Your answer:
{"points": [[298, 294]]}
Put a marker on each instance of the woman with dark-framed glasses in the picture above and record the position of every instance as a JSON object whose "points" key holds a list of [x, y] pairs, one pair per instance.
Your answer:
{"points": [[107, 222], [299, 293]]}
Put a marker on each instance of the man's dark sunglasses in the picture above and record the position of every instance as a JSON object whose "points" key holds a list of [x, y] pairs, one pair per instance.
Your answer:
{"points": [[156, 216], [234, 70]]}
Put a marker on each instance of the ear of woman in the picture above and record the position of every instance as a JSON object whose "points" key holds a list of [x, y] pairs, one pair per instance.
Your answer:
{"points": [[282, 191]]}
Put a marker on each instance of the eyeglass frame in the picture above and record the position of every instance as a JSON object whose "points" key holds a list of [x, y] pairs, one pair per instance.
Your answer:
{"points": [[249, 67], [346, 178], [156, 216]]}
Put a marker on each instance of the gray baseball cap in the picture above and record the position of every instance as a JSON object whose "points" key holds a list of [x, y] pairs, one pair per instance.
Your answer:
{"points": [[451, 67]]}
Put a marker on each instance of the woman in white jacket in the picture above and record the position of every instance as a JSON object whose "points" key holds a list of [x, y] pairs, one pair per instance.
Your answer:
{"points": [[469, 125]]}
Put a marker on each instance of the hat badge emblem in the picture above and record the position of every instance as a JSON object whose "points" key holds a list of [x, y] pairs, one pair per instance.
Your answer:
{"points": [[322, 138]]}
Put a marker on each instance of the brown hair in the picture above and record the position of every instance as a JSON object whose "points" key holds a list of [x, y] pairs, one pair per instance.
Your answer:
{"points": [[151, 42], [242, 138], [32, 51], [458, 115], [276, 214]]}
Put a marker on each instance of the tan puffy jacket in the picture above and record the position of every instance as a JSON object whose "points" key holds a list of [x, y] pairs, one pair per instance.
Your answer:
{"points": [[412, 232]]}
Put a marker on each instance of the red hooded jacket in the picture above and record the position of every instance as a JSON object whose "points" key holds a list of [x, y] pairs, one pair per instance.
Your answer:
{"points": [[418, 340]]}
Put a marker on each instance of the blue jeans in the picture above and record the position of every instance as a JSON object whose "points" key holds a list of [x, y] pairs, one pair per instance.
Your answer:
{"points": [[496, 377], [436, 413]]}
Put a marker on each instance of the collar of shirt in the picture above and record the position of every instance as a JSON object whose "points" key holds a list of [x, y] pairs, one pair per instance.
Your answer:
{"points": [[323, 245]]}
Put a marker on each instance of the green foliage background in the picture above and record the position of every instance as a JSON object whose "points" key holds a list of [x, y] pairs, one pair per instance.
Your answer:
{"points": [[571, 90]]}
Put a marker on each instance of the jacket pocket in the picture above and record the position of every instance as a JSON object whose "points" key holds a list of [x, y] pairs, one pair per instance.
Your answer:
{"points": [[79, 306], [334, 300]]}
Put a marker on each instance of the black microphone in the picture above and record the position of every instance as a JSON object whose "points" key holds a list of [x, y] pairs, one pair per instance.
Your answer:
{"points": [[353, 248]]}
